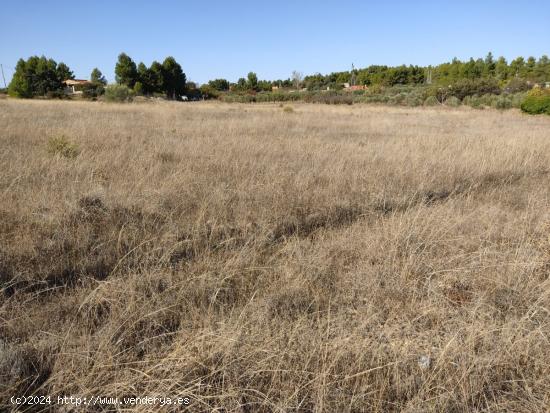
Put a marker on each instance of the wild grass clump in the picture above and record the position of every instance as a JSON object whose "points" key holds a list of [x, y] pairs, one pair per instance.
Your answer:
{"points": [[61, 146], [288, 109], [167, 157]]}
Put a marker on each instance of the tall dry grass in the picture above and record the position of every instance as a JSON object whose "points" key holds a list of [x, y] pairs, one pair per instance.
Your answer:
{"points": [[328, 259]]}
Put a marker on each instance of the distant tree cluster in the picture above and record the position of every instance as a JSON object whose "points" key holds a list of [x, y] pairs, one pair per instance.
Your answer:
{"points": [[38, 76], [167, 78], [531, 70], [251, 84], [372, 75]]}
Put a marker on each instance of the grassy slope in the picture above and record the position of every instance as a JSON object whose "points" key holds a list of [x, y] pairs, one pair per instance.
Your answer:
{"points": [[259, 260]]}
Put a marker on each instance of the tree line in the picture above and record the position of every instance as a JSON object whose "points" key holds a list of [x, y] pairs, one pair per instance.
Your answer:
{"points": [[531, 70], [40, 76]]}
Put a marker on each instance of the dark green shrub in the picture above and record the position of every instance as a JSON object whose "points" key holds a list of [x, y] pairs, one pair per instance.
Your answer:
{"points": [[536, 102], [93, 91]]}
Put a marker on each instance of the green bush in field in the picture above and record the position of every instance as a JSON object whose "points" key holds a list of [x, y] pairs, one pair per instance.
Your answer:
{"points": [[465, 87], [489, 100], [517, 99], [452, 101], [503, 102], [413, 100], [476, 102], [537, 102], [119, 93], [431, 101], [61, 146]]}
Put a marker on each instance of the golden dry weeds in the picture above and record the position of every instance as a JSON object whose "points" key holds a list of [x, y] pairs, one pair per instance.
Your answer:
{"points": [[343, 259]]}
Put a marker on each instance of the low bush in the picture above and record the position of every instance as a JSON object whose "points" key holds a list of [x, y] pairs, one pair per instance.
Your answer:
{"points": [[330, 98], [119, 93], [503, 102], [61, 146], [413, 100], [537, 102], [56, 94], [431, 101], [517, 99], [517, 85], [452, 101], [464, 88], [93, 91]]}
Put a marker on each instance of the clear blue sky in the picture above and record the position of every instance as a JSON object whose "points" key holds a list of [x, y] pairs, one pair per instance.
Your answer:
{"points": [[212, 39]]}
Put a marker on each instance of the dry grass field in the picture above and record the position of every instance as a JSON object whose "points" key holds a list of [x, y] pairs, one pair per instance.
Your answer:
{"points": [[262, 259]]}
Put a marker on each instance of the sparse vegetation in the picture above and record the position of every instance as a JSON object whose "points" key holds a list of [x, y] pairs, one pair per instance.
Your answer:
{"points": [[363, 259]]}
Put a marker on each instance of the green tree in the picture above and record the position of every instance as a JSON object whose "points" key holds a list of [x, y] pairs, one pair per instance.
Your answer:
{"points": [[219, 85], [517, 67], [144, 77], [46, 76], [501, 68], [37, 77], [138, 88], [97, 77], [241, 84], [543, 69], [156, 77], [126, 71], [20, 85], [530, 68], [174, 78], [489, 65], [63, 72], [252, 81]]}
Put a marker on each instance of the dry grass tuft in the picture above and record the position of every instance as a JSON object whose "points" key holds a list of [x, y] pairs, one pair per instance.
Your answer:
{"points": [[350, 259], [63, 147]]}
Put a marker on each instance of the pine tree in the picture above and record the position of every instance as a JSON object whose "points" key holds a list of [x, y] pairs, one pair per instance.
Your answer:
{"points": [[97, 77], [174, 78], [125, 71]]}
